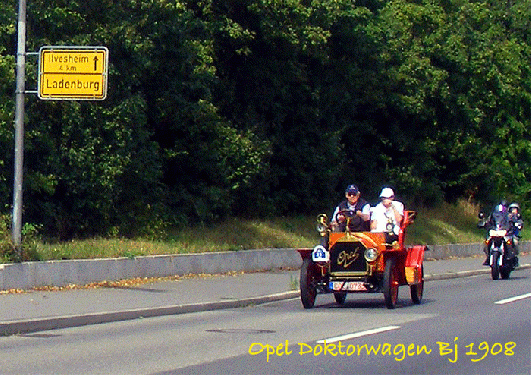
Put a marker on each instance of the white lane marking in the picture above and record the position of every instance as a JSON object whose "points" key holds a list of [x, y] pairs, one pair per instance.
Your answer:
{"points": [[358, 334], [512, 299]]}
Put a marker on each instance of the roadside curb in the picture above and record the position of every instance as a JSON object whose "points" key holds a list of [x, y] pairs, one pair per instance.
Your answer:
{"points": [[454, 275], [43, 324]]}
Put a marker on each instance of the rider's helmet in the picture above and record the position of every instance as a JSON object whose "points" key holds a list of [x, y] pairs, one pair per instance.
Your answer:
{"points": [[514, 205], [501, 207]]}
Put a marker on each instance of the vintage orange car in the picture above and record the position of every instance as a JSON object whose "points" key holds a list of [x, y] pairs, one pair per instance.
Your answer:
{"points": [[354, 262]]}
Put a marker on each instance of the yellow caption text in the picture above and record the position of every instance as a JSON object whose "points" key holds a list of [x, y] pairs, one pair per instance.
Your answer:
{"points": [[449, 350]]}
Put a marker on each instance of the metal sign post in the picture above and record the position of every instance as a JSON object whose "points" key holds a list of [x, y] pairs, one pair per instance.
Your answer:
{"points": [[65, 73], [19, 129]]}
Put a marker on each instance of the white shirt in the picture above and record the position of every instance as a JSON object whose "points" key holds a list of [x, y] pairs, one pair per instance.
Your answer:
{"points": [[383, 215]]}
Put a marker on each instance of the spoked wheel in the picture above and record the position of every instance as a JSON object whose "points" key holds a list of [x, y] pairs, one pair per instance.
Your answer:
{"points": [[307, 284], [418, 289], [495, 267], [390, 284], [340, 297]]}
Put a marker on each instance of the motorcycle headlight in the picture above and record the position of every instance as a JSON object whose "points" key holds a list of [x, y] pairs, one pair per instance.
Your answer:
{"points": [[370, 255]]}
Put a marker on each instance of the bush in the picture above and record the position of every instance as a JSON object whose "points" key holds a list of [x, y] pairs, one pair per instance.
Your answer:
{"points": [[28, 251]]}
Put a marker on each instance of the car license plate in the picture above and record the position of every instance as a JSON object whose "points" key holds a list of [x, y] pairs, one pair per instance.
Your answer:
{"points": [[350, 286]]}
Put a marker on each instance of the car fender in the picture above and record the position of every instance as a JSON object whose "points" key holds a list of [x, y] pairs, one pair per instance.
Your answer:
{"points": [[305, 252], [413, 264]]}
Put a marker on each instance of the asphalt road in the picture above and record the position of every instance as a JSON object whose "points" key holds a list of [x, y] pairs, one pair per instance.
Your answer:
{"points": [[459, 329], [465, 326]]}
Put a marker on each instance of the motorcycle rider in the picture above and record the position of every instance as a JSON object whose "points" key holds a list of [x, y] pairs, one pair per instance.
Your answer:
{"points": [[515, 218], [359, 212], [499, 210], [511, 216], [516, 225]]}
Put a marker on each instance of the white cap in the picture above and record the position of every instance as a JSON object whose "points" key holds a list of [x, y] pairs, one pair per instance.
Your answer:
{"points": [[387, 193]]}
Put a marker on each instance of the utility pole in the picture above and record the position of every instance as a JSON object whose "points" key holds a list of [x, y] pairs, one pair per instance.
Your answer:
{"points": [[19, 129]]}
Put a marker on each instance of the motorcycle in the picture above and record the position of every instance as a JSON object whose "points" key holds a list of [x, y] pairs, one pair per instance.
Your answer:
{"points": [[500, 244]]}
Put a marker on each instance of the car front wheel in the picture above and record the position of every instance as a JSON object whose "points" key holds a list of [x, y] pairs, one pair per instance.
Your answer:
{"points": [[308, 283], [390, 284]]}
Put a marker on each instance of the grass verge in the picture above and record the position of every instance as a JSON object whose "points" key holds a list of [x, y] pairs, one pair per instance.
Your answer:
{"points": [[448, 223]]}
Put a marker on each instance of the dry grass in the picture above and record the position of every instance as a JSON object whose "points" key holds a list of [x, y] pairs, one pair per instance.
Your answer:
{"points": [[449, 223], [233, 235]]}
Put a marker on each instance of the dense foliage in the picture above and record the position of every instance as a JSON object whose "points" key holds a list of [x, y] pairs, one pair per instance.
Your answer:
{"points": [[267, 107]]}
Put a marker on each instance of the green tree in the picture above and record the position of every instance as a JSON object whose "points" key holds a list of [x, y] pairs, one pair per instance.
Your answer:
{"points": [[156, 147], [270, 107], [7, 106]]}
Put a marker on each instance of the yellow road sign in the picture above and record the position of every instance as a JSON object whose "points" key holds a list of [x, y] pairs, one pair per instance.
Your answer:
{"points": [[73, 61], [78, 73], [79, 85]]}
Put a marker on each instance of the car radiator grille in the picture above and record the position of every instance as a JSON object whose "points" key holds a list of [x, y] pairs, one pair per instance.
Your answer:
{"points": [[348, 258]]}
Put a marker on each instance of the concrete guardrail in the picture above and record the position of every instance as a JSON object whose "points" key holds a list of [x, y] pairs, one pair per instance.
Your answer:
{"points": [[59, 273]]}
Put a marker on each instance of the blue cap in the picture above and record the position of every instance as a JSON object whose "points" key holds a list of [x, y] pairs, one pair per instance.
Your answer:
{"points": [[352, 189]]}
